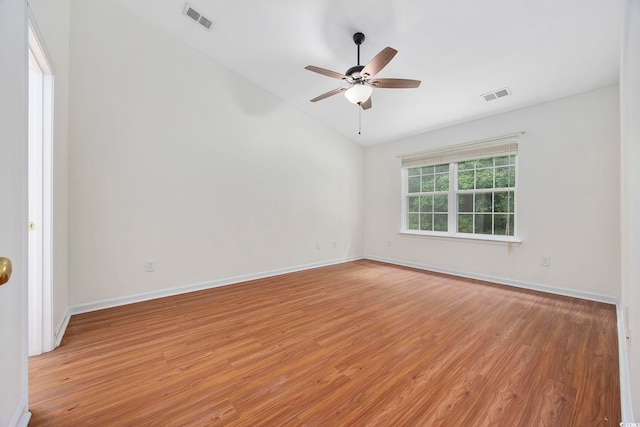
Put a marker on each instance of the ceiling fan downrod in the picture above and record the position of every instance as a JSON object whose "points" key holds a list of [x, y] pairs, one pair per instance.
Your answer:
{"points": [[358, 39], [354, 72]]}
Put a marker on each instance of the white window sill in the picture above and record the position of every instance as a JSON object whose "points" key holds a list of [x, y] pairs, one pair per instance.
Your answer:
{"points": [[474, 238]]}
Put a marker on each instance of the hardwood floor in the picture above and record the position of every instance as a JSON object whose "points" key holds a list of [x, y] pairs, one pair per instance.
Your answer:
{"points": [[362, 343]]}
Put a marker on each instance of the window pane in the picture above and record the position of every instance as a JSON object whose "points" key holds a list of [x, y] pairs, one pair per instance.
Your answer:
{"points": [[414, 221], [504, 201], [442, 168], [441, 203], [414, 204], [503, 225], [484, 163], [426, 204], [426, 170], [414, 184], [440, 222], [426, 222], [484, 178], [512, 176], [500, 200], [483, 224], [465, 202], [427, 183], [484, 202], [466, 165], [465, 223], [502, 177], [465, 180], [442, 182], [501, 161], [414, 171]]}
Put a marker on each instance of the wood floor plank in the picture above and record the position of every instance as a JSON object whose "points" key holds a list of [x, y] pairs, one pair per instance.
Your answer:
{"points": [[359, 344]]}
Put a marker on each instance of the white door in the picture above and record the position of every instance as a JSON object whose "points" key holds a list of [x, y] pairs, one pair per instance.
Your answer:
{"points": [[13, 212]]}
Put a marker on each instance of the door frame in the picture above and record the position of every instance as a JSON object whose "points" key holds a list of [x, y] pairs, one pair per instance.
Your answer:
{"points": [[41, 119]]}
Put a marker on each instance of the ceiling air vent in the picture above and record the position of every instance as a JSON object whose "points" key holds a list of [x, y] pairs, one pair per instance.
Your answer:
{"points": [[197, 16], [496, 94], [205, 22]]}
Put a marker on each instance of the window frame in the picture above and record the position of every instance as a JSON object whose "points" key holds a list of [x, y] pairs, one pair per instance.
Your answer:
{"points": [[453, 192]]}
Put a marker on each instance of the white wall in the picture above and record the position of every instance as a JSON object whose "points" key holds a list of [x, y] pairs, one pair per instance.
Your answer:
{"points": [[568, 198], [52, 21], [13, 212], [630, 177], [175, 158]]}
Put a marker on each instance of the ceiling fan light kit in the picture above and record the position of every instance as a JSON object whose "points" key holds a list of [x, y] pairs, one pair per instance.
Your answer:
{"points": [[360, 78], [358, 93]]}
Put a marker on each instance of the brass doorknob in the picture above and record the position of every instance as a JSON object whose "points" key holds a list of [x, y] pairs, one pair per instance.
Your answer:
{"points": [[5, 270]]}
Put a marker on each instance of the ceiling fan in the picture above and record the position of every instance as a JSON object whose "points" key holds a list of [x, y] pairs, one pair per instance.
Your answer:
{"points": [[361, 78]]}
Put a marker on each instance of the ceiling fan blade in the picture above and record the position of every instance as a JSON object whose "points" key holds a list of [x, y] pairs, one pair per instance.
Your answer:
{"points": [[366, 104], [378, 62], [326, 72], [328, 94], [395, 83]]}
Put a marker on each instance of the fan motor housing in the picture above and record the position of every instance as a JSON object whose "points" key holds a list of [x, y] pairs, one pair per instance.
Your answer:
{"points": [[354, 72]]}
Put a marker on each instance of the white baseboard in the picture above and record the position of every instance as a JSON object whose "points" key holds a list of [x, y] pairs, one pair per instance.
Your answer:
{"points": [[591, 296], [115, 302], [623, 360], [22, 415]]}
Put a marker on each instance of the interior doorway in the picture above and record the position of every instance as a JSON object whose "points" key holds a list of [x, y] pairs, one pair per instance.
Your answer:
{"points": [[40, 195]]}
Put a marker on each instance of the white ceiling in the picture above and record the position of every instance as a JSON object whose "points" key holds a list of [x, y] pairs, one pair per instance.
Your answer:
{"points": [[460, 49]]}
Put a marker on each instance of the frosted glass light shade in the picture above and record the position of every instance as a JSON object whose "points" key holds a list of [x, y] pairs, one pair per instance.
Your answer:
{"points": [[358, 93]]}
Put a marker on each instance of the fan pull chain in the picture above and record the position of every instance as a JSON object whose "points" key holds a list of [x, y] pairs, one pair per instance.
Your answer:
{"points": [[359, 119]]}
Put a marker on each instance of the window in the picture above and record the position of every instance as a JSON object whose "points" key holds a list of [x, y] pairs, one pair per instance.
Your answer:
{"points": [[462, 191], [428, 203], [486, 195]]}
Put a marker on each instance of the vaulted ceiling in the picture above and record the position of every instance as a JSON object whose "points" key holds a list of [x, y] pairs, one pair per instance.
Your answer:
{"points": [[460, 50]]}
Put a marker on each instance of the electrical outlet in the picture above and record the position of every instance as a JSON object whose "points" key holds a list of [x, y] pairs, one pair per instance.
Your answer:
{"points": [[545, 261], [334, 243], [149, 266]]}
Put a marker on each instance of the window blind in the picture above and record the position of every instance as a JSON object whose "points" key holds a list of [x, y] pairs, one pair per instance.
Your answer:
{"points": [[482, 149]]}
